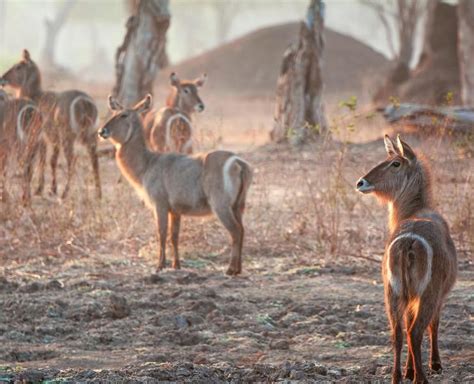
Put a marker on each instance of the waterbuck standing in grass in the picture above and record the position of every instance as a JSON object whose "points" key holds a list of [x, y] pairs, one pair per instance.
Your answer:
{"points": [[174, 184], [419, 266], [170, 129], [20, 135], [67, 116]]}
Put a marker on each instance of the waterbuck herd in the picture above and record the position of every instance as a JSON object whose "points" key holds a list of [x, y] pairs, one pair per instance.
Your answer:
{"points": [[154, 152]]}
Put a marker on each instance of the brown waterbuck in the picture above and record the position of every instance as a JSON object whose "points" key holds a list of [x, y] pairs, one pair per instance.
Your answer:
{"points": [[68, 116], [175, 184], [20, 135], [419, 266], [170, 129]]}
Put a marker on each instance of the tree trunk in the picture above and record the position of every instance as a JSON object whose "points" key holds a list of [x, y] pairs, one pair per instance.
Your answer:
{"points": [[407, 16], [299, 114], [466, 50], [435, 80], [53, 27], [139, 57]]}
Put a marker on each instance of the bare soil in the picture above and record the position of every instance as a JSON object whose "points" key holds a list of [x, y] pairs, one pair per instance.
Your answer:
{"points": [[80, 301]]}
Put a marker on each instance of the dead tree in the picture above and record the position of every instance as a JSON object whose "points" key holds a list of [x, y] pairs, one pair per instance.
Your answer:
{"points": [[139, 57], [53, 27], [466, 50], [400, 18], [299, 113]]}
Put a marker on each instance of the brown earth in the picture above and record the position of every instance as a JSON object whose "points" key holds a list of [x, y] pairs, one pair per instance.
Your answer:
{"points": [[250, 65], [80, 302]]}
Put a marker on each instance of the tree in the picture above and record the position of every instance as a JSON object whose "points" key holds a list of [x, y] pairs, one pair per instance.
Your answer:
{"points": [[299, 114], [400, 18], [466, 50], [226, 12], [141, 54], [53, 27]]}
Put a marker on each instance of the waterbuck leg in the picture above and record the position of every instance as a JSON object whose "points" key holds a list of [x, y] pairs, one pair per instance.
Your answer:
{"points": [[161, 216], [435, 361], [397, 335], [409, 371], [3, 177], [54, 165], [42, 166], [68, 147], [228, 219], [415, 338], [92, 149], [175, 225], [27, 176]]}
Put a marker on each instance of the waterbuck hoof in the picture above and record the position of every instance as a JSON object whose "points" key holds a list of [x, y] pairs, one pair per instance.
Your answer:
{"points": [[436, 367], [176, 266], [409, 374]]}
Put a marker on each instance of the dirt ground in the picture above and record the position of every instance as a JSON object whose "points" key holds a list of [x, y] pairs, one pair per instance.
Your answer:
{"points": [[80, 300]]}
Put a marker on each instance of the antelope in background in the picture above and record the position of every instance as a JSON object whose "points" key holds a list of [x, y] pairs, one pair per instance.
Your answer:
{"points": [[170, 129], [174, 184], [419, 266], [20, 135], [68, 116]]}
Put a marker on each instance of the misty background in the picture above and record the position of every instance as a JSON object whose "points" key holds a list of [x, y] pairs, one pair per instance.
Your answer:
{"points": [[95, 28]]}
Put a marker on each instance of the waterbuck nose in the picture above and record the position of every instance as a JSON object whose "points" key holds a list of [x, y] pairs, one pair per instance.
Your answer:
{"points": [[104, 132], [200, 107], [364, 186]]}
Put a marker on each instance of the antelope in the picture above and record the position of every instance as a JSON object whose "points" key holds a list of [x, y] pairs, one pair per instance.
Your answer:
{"points": [[68, 115], [20, 134], [171, 130], [173, 184], [419, 265]]}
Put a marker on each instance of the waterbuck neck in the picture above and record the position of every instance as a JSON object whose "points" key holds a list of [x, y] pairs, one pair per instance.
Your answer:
{"points": [[133, 157], [31, 89], [414, 196]]}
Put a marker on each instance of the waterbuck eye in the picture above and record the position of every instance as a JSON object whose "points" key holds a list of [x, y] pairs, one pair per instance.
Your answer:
{"points": [[123, 115], [186, 90], [396, 164]]}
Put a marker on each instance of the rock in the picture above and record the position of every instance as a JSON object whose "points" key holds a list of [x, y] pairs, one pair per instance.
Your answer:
{"points": [[30, 376], [182, 322], [279, 344], [297, 375], [54, 284], [118, 307]]}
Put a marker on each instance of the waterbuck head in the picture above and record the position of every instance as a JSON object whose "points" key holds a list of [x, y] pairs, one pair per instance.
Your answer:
{"points": [[125, 122], [184, 94], [23, 75], [401, 174]]}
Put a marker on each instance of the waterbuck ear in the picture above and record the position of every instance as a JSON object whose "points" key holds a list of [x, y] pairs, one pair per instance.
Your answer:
{"points": [[174, 80], [114, 105], [26, 55], [405, 149], [199, 82], [390, 146], [144, 105]]}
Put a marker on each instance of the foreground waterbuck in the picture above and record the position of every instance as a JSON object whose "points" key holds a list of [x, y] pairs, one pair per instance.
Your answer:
{"points": [[20, 136], [419, 265], [67, 116], [170, 129], [174, 184]]}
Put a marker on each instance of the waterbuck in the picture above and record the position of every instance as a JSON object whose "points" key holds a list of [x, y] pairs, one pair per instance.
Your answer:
{"points": [[20, 136], [170, 129], [419, 266], [175, 184], [67, 116]]}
